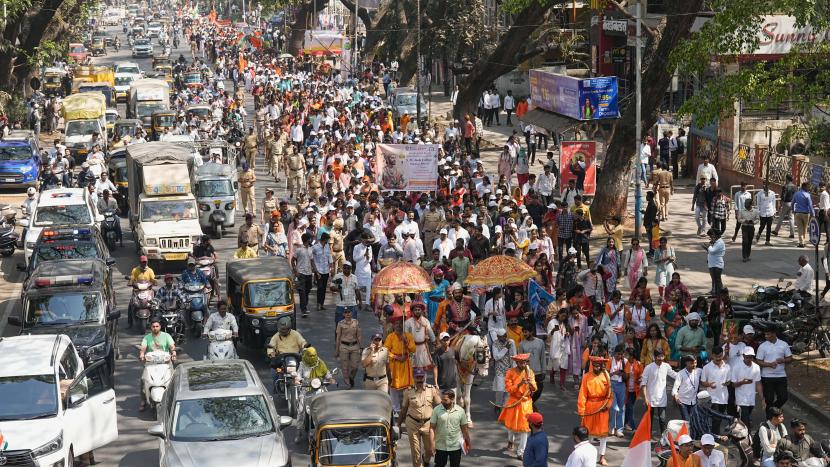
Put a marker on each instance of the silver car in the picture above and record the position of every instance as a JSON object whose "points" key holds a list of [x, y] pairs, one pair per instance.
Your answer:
{"points": [[219, 413], [407, 103]]}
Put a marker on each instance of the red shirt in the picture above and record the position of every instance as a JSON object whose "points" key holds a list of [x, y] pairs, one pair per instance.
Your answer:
{"points": [[469, 129]]}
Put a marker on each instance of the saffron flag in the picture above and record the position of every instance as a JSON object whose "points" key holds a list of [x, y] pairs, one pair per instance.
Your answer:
{"points": [[539, 299], [639, 451]]}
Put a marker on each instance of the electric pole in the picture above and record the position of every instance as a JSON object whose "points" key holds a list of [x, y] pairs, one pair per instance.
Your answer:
{"points": [[638, 194]]}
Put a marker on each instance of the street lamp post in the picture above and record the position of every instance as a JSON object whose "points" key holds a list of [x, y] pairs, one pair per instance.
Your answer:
{"points": [[418, 67], [638, 194]]}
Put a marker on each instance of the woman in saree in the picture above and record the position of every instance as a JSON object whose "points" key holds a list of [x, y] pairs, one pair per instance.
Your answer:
{"points": [[655, 340], [636, 263], [671, 315], [609, 259]]}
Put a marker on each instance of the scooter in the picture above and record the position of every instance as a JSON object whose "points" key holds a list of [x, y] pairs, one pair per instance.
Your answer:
{"points": [[108, 228], [142, 304], [737, 450], [158, 372], [8, 238], [221, 345], [194, 293]]}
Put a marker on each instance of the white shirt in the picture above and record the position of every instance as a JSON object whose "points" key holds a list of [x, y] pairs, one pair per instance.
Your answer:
{"points": [[509, 102], [708, 171], [745, 394], [617, 365], [645, 154], [769, 352], [362, 263], [805, 278], [545, 183], [734, 355], [495, 314], [715, 460], [454, 235], [686, 385], [740, 200], [766, 203], [718, 375], [444, 247], [824, 200], [584, 455], [654, 380]]}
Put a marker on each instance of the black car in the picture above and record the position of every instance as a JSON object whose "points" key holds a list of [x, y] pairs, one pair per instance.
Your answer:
{"points": [[73, 297], [67, 242]]}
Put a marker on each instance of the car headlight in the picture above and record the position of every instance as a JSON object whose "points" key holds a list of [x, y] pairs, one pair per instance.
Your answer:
{"points": [[196, 238], [151, 241], [97, 351], [50, 447]]}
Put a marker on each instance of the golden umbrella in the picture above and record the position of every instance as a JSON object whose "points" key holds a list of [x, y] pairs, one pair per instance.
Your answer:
{"points": [[499, 270], [401, 277]]}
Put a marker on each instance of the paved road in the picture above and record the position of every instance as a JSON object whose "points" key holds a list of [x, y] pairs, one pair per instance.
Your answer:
{"points": [[135, 448]]}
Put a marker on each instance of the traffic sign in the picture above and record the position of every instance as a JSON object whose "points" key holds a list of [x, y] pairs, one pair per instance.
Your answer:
{"points": [[815, 234]]}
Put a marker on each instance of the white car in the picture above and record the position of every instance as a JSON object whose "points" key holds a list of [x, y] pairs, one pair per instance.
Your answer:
{"points": [[130, 68], [122, 84], [53, 409], [59, 207]]}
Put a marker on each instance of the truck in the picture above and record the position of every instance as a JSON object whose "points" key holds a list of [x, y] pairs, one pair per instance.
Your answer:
{"points": [[84, 115], [163, 211], [147, 96]]}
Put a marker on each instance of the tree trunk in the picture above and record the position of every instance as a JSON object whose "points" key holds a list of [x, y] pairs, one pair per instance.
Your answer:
{"points": [[10, 35], [303, 19], [38, 25], [612, 184], [504, 58]]}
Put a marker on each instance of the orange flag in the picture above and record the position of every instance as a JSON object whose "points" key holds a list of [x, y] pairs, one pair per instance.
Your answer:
{"points": [[684, 430]]}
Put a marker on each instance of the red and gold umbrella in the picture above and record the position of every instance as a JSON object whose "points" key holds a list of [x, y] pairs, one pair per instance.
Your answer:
{"points": [[499, 270], [401, 277]]}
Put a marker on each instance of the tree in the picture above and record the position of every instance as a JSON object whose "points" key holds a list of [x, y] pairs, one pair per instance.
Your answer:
{"points": [[303, 20]]}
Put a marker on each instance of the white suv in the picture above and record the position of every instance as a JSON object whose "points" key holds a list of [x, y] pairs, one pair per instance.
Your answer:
{"points": [[53, 409], [59, 207]]}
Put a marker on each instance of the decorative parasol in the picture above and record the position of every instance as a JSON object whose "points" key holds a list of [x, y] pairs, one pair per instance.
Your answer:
{"points": [[401, 277], [499, 270]]}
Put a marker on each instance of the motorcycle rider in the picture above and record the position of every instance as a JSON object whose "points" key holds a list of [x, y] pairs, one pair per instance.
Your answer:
{"points": [[104, 183], [801, 445], [192, 274], [107, 203], [117, 43], [221, 320], [155, 340], [204, 249], [311, 367], [140, 273], [170, 293], [286, 340], [27, 209]]}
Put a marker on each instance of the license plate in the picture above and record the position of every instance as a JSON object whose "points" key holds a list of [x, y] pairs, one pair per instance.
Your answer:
{"points": [[8, 180], [175, 256], [270, 314], [82, 151]]}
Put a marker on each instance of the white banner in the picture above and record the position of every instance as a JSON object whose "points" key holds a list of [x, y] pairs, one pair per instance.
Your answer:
{"points": [[407, 167]]}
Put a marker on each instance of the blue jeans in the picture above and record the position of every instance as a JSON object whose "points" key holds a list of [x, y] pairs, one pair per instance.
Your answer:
{"points": [[644, 173], [618, 409], [338, 313], [686, 411], [630, 399]]}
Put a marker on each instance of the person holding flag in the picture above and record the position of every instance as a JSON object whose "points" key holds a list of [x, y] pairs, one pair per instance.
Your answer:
{"points": [[594, 403]]}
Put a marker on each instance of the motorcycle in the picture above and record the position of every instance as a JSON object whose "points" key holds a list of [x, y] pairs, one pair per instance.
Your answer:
{"points": [[8, 238], [303, 408], [221, 345], [8, 215], [158, 372], [737, 450], [285, 370], [172, 321], [142, 304], [108, 228], [194, 293], [208, 267]]}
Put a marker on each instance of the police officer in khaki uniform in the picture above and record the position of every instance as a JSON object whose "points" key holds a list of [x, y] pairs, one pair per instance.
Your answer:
{"points": [[431, 224], [375, 360], [250, 233], [315, 184], [247, 179], [416, 409], [338, 256], [296, 171], [270, 144], [277, 156], [664, 187], [251, 148]]}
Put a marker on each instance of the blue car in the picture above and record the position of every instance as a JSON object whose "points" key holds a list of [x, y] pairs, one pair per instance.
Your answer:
{"points": [[19, 159]]}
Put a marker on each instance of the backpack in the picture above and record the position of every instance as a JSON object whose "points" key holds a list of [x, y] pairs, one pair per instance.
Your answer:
{"points": [[757, 451]]}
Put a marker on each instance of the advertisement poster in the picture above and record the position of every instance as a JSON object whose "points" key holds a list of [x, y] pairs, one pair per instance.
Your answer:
{"points": [[407, 167], [581, 99], [578, 161]]}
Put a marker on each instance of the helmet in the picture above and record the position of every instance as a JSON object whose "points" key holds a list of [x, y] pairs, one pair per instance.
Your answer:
{"points": [[31, 191]]}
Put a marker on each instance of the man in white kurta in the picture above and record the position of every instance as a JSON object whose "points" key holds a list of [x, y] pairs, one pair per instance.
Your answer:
{"points": [[362, 256], [653, 383], [418, 325], [584, 453]]}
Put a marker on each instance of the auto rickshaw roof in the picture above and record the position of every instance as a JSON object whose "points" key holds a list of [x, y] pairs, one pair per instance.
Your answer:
{"points": [[212, 169], [357, 405], [263, 268]]}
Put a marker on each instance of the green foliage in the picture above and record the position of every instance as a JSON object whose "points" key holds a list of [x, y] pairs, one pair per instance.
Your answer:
{"points": [[733, 30]]}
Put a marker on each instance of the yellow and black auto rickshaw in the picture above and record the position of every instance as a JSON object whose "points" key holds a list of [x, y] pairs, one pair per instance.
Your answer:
{"points": [[161, 120], [53, 82], [261, 295], [351, 428]]}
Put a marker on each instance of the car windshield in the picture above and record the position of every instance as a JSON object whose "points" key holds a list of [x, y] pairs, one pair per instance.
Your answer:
{"points": [[128, 69], [28, 397], [265, 294], [82, 127], [111, 118], [15, 153], [146, 109], [221, 418], [123, 80], [194, 78], [154, 211], [142, 41], [214, 188], [354, 445], [405, 99], [49, 252], [200, 112], [63, 308], [124, 130], [120, 174], [78, 49], [165, 120], [62, 215]]}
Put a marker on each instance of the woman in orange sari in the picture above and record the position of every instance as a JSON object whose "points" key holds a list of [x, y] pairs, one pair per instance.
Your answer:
{"points": [[594, 403], [520, 384]]}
